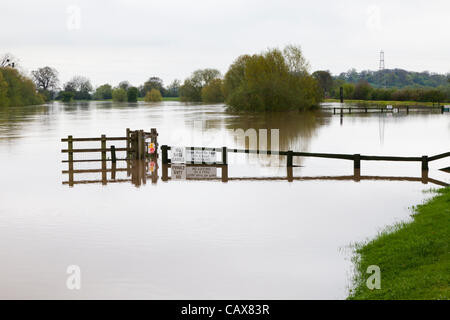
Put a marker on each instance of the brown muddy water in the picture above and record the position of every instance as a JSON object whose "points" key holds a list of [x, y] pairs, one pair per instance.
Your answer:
{"points": [[245, 239]]}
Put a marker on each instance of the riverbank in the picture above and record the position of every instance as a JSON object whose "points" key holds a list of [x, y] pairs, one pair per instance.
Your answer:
{"points": [[414, 257], [393, 103]]}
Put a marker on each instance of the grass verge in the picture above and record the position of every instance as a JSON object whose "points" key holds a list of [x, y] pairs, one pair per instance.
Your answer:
{"points": [[414, 257]]}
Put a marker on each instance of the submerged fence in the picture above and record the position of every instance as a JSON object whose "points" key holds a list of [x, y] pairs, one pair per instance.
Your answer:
{"points": [[138, 145]]}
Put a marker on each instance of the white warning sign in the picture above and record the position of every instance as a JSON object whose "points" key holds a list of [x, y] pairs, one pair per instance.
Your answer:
{"points": [[201, 172], [178, 155], [178, 172], [200, 156]]}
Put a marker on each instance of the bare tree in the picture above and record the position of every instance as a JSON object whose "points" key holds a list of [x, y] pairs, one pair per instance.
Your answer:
{"points": [[45, 78]]}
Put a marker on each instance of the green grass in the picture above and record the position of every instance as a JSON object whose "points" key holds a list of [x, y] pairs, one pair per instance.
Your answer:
{"points": [[393, 103], [414, 257]]}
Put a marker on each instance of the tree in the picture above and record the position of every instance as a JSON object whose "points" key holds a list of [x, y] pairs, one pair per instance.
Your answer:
{"points": [[205, 76], [213, 93], [16, 89], [153, 83], [66, 96], [191, 90], [4, 100], [272, 81], [132, 94], [80, 86], [45, 78], [119, 95], [362, 90], [153, 96], [325, 81], [173, 88], [124, 85], [295, 60], [349, 89], [103, 92]]}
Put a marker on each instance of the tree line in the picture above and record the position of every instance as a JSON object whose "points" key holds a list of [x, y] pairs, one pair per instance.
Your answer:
{"points": [[395, 78], [274, 80], [363, 90], [80, 88]]}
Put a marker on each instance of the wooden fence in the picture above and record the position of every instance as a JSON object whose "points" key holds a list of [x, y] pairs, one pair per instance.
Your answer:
{"points": [[356, 158], [134, 148], [406, 109]]}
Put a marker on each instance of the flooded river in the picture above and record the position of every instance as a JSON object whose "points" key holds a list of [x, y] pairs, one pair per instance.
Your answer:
{"points": [[244, 239]]}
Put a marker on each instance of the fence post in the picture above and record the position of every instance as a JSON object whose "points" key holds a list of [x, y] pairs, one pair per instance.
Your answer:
{"points": [[356, 161], [224, 173], [113, 154], [70, 147], [154, 139], [139, 145], [425, 176], [128, 143], [224, 164], [103, 143], [357, 167], [165, 171], [164, 157], [424, 163], [113, 171], [224, 156], [289, 158], [290, 174], [442, 109]]}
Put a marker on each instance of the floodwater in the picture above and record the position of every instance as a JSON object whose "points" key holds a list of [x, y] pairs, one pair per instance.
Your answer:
{"points": [[185, 239]]}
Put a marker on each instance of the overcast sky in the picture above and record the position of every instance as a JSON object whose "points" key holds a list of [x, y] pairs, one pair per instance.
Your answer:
{"points": [[110, 41]]}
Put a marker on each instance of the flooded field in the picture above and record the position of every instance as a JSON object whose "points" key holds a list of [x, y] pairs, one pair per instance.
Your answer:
{"points": [[176, 239]]}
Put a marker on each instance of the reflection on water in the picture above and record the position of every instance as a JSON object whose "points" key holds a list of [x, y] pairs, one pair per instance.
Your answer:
{"points": [[297, 128], [268, 233], [138, 172]]}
